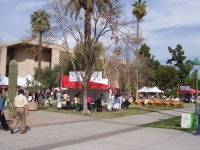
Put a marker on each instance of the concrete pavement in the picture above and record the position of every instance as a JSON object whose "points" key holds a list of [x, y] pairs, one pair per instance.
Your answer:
{"points": [[58, 131]]}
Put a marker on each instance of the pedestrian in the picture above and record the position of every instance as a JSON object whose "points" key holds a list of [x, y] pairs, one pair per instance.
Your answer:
{"points": [[116, 106], [58, 97], [78, 103], [76, 99], [198, 129], [89, 101], [2, 117], [66, 98], [21, 110]]}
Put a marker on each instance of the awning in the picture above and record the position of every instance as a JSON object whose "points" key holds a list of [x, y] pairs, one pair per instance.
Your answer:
{"points": [[191, 91], [65, 83]]}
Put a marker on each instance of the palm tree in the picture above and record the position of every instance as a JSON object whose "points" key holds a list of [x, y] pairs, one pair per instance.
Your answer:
{"points": [[88, 6], [88, 51], [139, 11], [39, 24]]}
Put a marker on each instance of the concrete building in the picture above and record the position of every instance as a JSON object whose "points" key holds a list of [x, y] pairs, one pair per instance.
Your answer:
{"points": [[20, 51], [52, 54]]}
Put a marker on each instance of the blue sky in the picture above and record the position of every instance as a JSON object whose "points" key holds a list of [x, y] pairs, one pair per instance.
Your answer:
{"points": [[168, 23]]}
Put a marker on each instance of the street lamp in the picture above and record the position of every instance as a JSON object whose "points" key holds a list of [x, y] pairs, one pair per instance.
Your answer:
{"points": [[196, 65]]}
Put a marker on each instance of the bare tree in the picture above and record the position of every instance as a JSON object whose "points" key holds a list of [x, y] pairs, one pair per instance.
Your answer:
{"points": [[105, 28]]}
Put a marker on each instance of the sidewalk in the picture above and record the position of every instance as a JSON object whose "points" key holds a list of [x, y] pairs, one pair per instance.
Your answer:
{"points": [[58, 131]]}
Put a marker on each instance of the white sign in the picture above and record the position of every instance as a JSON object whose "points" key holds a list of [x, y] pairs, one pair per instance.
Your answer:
{"points": [[185, 88], [96, 76], [186, 120]]}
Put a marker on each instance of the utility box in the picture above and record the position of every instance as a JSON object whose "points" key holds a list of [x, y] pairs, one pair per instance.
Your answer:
{"points": [[187, 120]]}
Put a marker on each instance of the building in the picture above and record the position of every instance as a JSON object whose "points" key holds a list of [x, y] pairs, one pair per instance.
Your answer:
{"points": [[52, 54], [20, 51]]}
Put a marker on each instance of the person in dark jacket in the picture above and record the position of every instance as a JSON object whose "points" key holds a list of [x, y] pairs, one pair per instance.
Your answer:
{"points": [[2, 117]]}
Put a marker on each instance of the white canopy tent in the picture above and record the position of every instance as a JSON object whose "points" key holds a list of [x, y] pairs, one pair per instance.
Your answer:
{"points": [[150, 90], [21, 81], [157, 90], [3, 80]]}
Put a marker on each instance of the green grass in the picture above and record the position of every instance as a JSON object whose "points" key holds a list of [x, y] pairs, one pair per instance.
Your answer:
{"points": [[171, 123], [133, 110]]}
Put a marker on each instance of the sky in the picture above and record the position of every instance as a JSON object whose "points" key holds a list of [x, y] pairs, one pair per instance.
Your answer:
{"points": [[167, 23]]}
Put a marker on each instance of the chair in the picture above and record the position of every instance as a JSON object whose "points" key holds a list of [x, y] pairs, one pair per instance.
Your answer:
{"points": [[131, 101], [137, 102], [151, 102], [166, 103], [176, 103], [180, 104], [158, 102]]}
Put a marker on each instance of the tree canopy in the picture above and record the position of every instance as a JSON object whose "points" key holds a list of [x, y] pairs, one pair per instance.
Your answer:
{"points": [[178, 59]]}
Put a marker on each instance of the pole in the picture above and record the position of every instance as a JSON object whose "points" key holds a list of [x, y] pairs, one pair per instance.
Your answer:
{"points": [[196, 106]]}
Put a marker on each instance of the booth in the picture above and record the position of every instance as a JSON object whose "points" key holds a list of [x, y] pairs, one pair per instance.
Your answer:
{"points": [[189, 90], [95, 89]]}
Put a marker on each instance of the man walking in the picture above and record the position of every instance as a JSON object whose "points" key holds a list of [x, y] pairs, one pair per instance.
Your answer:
{"points": [[21, 109], [2, 117]]}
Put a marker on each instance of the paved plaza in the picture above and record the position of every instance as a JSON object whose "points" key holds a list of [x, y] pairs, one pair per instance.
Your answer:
{"points": [[59, 131]]}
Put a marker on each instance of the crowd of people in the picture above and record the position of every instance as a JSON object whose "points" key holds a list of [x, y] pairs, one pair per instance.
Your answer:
{"points": [[113, 103]]}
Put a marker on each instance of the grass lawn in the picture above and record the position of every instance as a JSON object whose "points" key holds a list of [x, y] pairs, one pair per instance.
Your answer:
{"points": [[171, 123], [133, 110]]}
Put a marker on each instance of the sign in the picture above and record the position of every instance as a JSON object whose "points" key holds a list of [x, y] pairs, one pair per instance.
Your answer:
{"points": [[96, 76], [184, 88], [187, 120]]}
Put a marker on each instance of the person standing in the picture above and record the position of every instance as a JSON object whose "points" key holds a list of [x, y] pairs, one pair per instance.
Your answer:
{"points": [[58, 97], [198, 129], [66, 98], [78, 103], [21, 109], [116, 106], [99, 103], [89, 101], [76, 99], [2, 117]]}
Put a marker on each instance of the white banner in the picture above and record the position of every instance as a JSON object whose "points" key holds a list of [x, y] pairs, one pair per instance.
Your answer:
{"points": [[185, 88], [96, 76]]}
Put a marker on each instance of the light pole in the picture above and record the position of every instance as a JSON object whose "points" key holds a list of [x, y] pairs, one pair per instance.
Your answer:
{"points": [[196, 65]]}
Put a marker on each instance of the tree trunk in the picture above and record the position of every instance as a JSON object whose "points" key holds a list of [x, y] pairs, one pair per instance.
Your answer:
{"points": [[85, 109], [87, 28], [137, 66], [39, 57], [87, 49]]}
